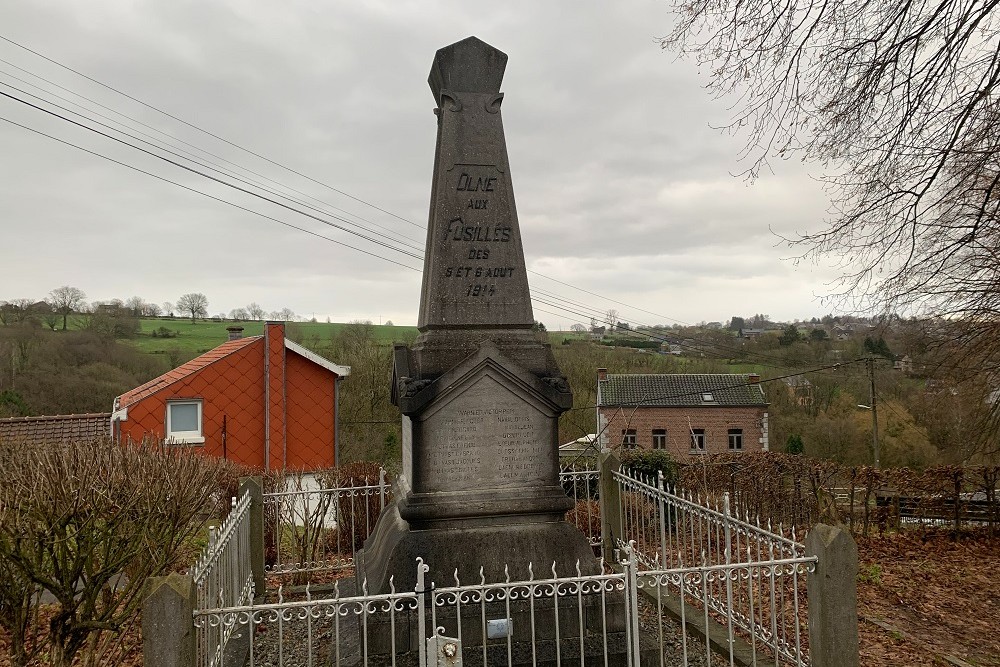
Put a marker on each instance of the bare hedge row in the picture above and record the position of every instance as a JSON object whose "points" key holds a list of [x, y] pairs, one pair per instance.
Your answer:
{"points": [[81, 527], [796, 490]]}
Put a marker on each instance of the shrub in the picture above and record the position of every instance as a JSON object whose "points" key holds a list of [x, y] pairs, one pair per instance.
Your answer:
{"points": [[88, 522], [647, 462]]}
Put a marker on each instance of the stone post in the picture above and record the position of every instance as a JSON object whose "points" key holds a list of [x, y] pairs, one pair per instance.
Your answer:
{"points": [[168, 634], [833, 597], [610, 501], [255, 486]]}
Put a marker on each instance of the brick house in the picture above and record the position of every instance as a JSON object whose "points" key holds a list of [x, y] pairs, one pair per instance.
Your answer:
{"points": [[262, 401], [682, 414]]}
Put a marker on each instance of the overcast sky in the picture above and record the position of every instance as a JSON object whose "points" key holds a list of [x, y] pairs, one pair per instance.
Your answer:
{"points": [[623, 188]]}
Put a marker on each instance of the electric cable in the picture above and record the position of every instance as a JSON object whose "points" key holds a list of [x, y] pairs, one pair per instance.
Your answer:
{"points": [[178, 139], [208, 176], [204, 131], [205, 194]]}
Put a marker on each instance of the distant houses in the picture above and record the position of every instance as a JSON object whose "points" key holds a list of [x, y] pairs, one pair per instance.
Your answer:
{"points": [[684, 414]]}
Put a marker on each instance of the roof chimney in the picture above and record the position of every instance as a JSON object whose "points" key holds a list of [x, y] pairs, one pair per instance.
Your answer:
{"points": [[753, 378], [602, 374], [235, 333]]}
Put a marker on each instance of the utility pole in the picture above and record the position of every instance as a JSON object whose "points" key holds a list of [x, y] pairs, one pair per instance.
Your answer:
{"points": [[871, 377]]}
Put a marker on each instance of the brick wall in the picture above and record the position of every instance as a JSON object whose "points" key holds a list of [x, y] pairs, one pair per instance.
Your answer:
{"points": [[716, 422]]}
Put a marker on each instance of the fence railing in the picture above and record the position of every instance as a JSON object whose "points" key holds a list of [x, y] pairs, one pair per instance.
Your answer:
{"points": [[619, 617], [677, 529], [312, 529], [223, 577], [682, 572], [581, 484], [736, 572]]}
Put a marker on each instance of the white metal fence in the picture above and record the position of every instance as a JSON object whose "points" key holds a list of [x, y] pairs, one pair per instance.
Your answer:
{"points": [[580, 481], [223, 577], [680, 564], [618, 617], [310, 529], [749, 575]]}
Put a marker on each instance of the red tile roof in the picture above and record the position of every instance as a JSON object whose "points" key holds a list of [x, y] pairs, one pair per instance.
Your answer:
{"points": [[56, 428], [182, 371]]}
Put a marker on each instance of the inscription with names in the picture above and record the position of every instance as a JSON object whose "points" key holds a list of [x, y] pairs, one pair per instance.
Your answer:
{"points": [[488, 438]]}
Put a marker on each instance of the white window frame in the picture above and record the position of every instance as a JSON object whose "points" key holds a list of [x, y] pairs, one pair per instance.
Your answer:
{"points": [[185, 437], [699, 441]]}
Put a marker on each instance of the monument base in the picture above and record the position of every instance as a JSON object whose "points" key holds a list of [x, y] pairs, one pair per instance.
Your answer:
{"points": [[497, 551]]}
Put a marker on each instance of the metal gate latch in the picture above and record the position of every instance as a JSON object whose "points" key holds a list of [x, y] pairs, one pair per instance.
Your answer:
{"points": [[444, 651]]}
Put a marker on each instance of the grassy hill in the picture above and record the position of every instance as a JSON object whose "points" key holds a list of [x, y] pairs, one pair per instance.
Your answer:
{"points": [[191, 339]]}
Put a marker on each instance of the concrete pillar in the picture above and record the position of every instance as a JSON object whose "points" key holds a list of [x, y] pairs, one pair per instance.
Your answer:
{"points": [[168, 634], [255, 486], [833, 597], [610, 500]]}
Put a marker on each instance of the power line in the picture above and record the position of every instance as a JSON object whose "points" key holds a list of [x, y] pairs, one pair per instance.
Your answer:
{"points": [[273, 201], [195, 160], [205, 194], [204, 131], [178, 139], [208, 176]]}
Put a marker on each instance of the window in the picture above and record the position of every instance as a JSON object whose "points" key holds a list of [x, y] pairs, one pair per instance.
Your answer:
{"points": [[628, 438], [184, 422], [659, 438], [708, 397], [697, 441], [735, 439]]}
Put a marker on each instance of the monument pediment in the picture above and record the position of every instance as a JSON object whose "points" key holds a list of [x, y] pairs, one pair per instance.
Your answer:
{"points": [[551, 395]]}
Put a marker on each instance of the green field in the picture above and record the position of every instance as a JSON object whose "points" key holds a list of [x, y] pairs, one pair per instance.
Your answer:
{"points": [[194, 338]]}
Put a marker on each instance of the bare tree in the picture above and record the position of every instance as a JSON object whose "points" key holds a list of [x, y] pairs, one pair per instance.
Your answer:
{"points": [[239, 314], [168, 309], [578, 328], [65, 300], [255, 311], [17, 310], [898, 105], [194, 303], [151, 310], [136, 305], [611, 318]]}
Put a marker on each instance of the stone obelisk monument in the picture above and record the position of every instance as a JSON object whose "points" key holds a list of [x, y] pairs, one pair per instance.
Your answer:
{"points": [[480, 392]]}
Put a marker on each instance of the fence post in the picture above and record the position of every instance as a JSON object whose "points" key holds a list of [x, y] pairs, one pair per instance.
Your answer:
{"points": [[610, 503], [168, 633], [255, 486], [833, 597]]}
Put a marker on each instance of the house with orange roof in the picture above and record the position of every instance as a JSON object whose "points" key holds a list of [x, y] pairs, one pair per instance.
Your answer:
{"points": [[261, 401]]}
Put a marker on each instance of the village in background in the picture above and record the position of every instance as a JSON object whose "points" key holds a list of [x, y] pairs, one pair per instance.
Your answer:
{"points": [[58, 360]]}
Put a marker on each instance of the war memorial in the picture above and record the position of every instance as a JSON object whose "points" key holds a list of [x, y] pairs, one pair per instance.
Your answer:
{"points": [[480, 392]]}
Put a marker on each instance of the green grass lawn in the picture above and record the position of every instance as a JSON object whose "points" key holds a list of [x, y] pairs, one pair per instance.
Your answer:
{"points": [[194, 338]]}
